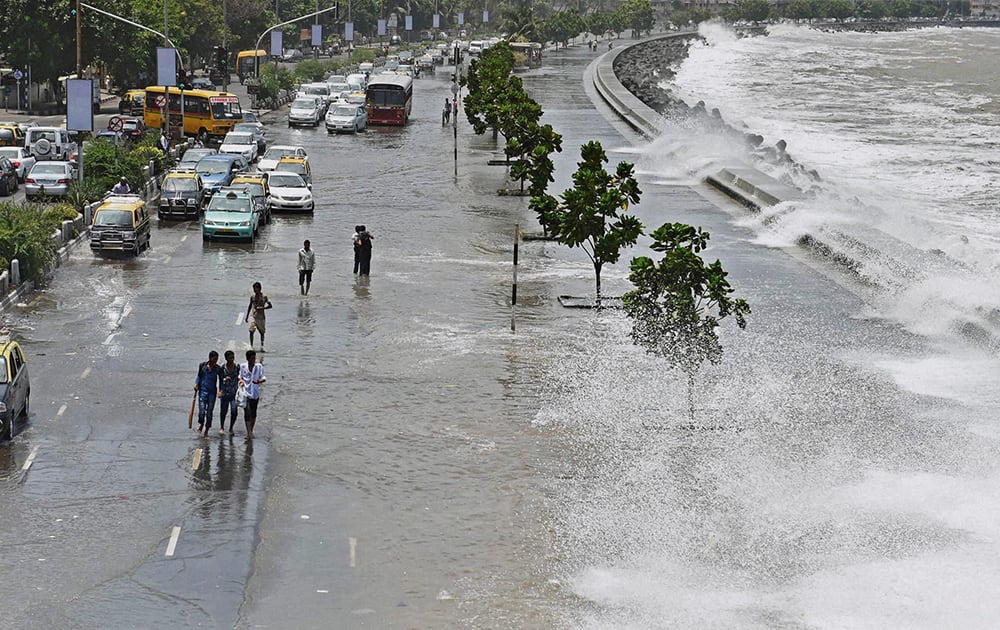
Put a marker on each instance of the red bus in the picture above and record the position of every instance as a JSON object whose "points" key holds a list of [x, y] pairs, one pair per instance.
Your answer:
{"points": [[388, 99]]}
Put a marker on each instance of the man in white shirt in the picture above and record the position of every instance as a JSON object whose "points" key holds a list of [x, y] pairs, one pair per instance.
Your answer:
{"points": [[307, 262], [251, 378]]}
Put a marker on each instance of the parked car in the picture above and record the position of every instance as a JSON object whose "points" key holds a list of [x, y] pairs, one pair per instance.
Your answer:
{"points": [[133, 103], [230, 214], [15, 386], [255, 128], [49, 179], [192, 156], [8, 177], [304, 111], [347, 117], [289, 192], [120, 225], [49, 143], [240, 143], [270, 158], [20, 159], [256, 185], [182, 195], [219, 170]]}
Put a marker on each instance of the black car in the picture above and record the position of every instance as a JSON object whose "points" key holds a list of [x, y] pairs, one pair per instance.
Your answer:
{"points": [[133, 128], [8, 177]]}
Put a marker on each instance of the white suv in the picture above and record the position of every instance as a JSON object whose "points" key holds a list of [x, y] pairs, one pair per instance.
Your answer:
{"points": [[49, 143]]}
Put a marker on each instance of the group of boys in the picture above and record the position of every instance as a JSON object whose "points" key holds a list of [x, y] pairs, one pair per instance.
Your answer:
{"points": [[223, 382]]}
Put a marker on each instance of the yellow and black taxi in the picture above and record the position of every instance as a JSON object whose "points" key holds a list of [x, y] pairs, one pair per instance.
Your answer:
{"points": [[297, 165], [133, 103], [182, 195], [120, 225], [256, 185], [15, 388], [11, 135]]}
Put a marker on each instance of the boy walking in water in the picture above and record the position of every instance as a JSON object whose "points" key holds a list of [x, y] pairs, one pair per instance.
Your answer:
{"points": [[255, 314], [307, 262], [251, 377], [227, 400], [206, 384]]}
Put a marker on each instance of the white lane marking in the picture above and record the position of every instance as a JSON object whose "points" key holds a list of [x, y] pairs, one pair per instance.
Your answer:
{"points": [[110, 338], [197, 459], [353, 543], [85, 374], [167, 259], [31, 458], [174, 535], [61, 411], [185, 237], [239, 317]]}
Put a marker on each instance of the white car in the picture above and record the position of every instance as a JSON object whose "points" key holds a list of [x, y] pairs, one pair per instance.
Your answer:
{"points": [[269, 160], [20, 159], [346, 117], [289, 192], [304, 111], [240, 143]]}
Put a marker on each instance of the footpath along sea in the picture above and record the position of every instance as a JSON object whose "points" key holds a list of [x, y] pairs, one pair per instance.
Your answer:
{"points": [[460, 476]]}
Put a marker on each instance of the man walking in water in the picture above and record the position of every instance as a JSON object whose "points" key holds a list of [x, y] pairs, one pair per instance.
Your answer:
{"points": [[363, 243], [227, 400], [255, 310], [251, 377], [206, 383], [307, 262]]}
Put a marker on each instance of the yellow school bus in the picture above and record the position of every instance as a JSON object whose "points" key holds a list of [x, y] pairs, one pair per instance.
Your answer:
{"points": [[248, 61], [205, 112]]}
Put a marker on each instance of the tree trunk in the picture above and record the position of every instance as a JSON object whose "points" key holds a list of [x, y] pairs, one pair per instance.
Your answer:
{"points": [[597, 275], [691, 396]]}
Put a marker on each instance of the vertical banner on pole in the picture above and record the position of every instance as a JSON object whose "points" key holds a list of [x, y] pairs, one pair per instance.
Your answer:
{"points": [[461, 18], [79, 104], [166, 66], [486, 16], [348, 31], [408, 23], [317, 35], [381, 28], [437, 20], [276, 44]]}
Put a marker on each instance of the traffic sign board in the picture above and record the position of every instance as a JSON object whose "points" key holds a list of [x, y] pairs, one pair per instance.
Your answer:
{"points": [[18, 75], [115, 123], [161, 100]]}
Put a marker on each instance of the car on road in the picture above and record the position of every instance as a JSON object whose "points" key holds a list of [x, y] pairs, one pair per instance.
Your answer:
{"points": [[15, 386], [20, 159], [202, 83], [219, 170], [240, 143], [182, 195], [346, 117], [250, 117], [292, 54], [255, 128], [49, 143], [319, 90], [256, 185], [338, 83], [120, 225], [8, 177], [270, 158], [48, 179], [16, 138], [192, 156], [289, 193], [133, 128], [132, 104], [230, 214], [304, 111], [297, 165]]}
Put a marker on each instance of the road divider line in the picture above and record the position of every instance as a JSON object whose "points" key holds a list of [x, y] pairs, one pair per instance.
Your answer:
{"points": [[62, 410], [167, 259], [185, 237], [239, 316], [30, 460], [174, 535], [352, 542], [197, 459], [110, 337], [85, 374]]}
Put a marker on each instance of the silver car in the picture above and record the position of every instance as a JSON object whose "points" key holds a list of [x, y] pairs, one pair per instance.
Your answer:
{"points": [[49, 179], [21, 160], [304, 111], [346, 117]]}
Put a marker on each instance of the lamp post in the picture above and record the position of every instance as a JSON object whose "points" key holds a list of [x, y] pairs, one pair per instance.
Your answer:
{"points": [[301, 17]]}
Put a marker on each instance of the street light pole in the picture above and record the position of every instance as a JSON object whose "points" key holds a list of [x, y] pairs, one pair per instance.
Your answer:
{"points": [[301, 17], [79, 44]]}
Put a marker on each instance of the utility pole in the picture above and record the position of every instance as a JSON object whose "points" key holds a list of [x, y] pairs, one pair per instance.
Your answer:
{"points": [[79, 44], [225, 46]]}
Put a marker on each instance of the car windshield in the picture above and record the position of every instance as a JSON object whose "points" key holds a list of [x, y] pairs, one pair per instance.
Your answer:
{"points": [[212, 167], [304, 103], [286, 180], [114, 218], [225, 204], [238, 138], [48, 169], [250, 117], [11, 152], [318, 91], [292, 167], [255, 190], [345, 111], [180, 184]]}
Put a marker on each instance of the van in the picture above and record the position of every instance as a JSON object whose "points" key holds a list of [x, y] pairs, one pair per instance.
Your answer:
{"points": [[120, 225], [49, 143]]}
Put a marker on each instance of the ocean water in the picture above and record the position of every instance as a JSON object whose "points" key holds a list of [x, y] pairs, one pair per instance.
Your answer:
{"points": [[901, 129], [842, 469]]}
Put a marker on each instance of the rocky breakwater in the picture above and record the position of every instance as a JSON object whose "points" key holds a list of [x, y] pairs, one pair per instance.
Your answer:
{"points": [[642, 68]]}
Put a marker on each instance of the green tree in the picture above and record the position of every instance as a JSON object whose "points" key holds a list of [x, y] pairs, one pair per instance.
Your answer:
{"points": [[840, 9], [491, 87], [593, 214], [678, 303], [534, 146], [800, 10], [637, 15], [753, 10]]}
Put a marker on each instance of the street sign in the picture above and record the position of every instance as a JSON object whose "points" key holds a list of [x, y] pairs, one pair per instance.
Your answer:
{"points": [[18, 75], [161, 100], [115, 123]]}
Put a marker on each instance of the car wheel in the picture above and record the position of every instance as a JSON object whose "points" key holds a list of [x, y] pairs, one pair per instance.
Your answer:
{"points": [[8, 430]]}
